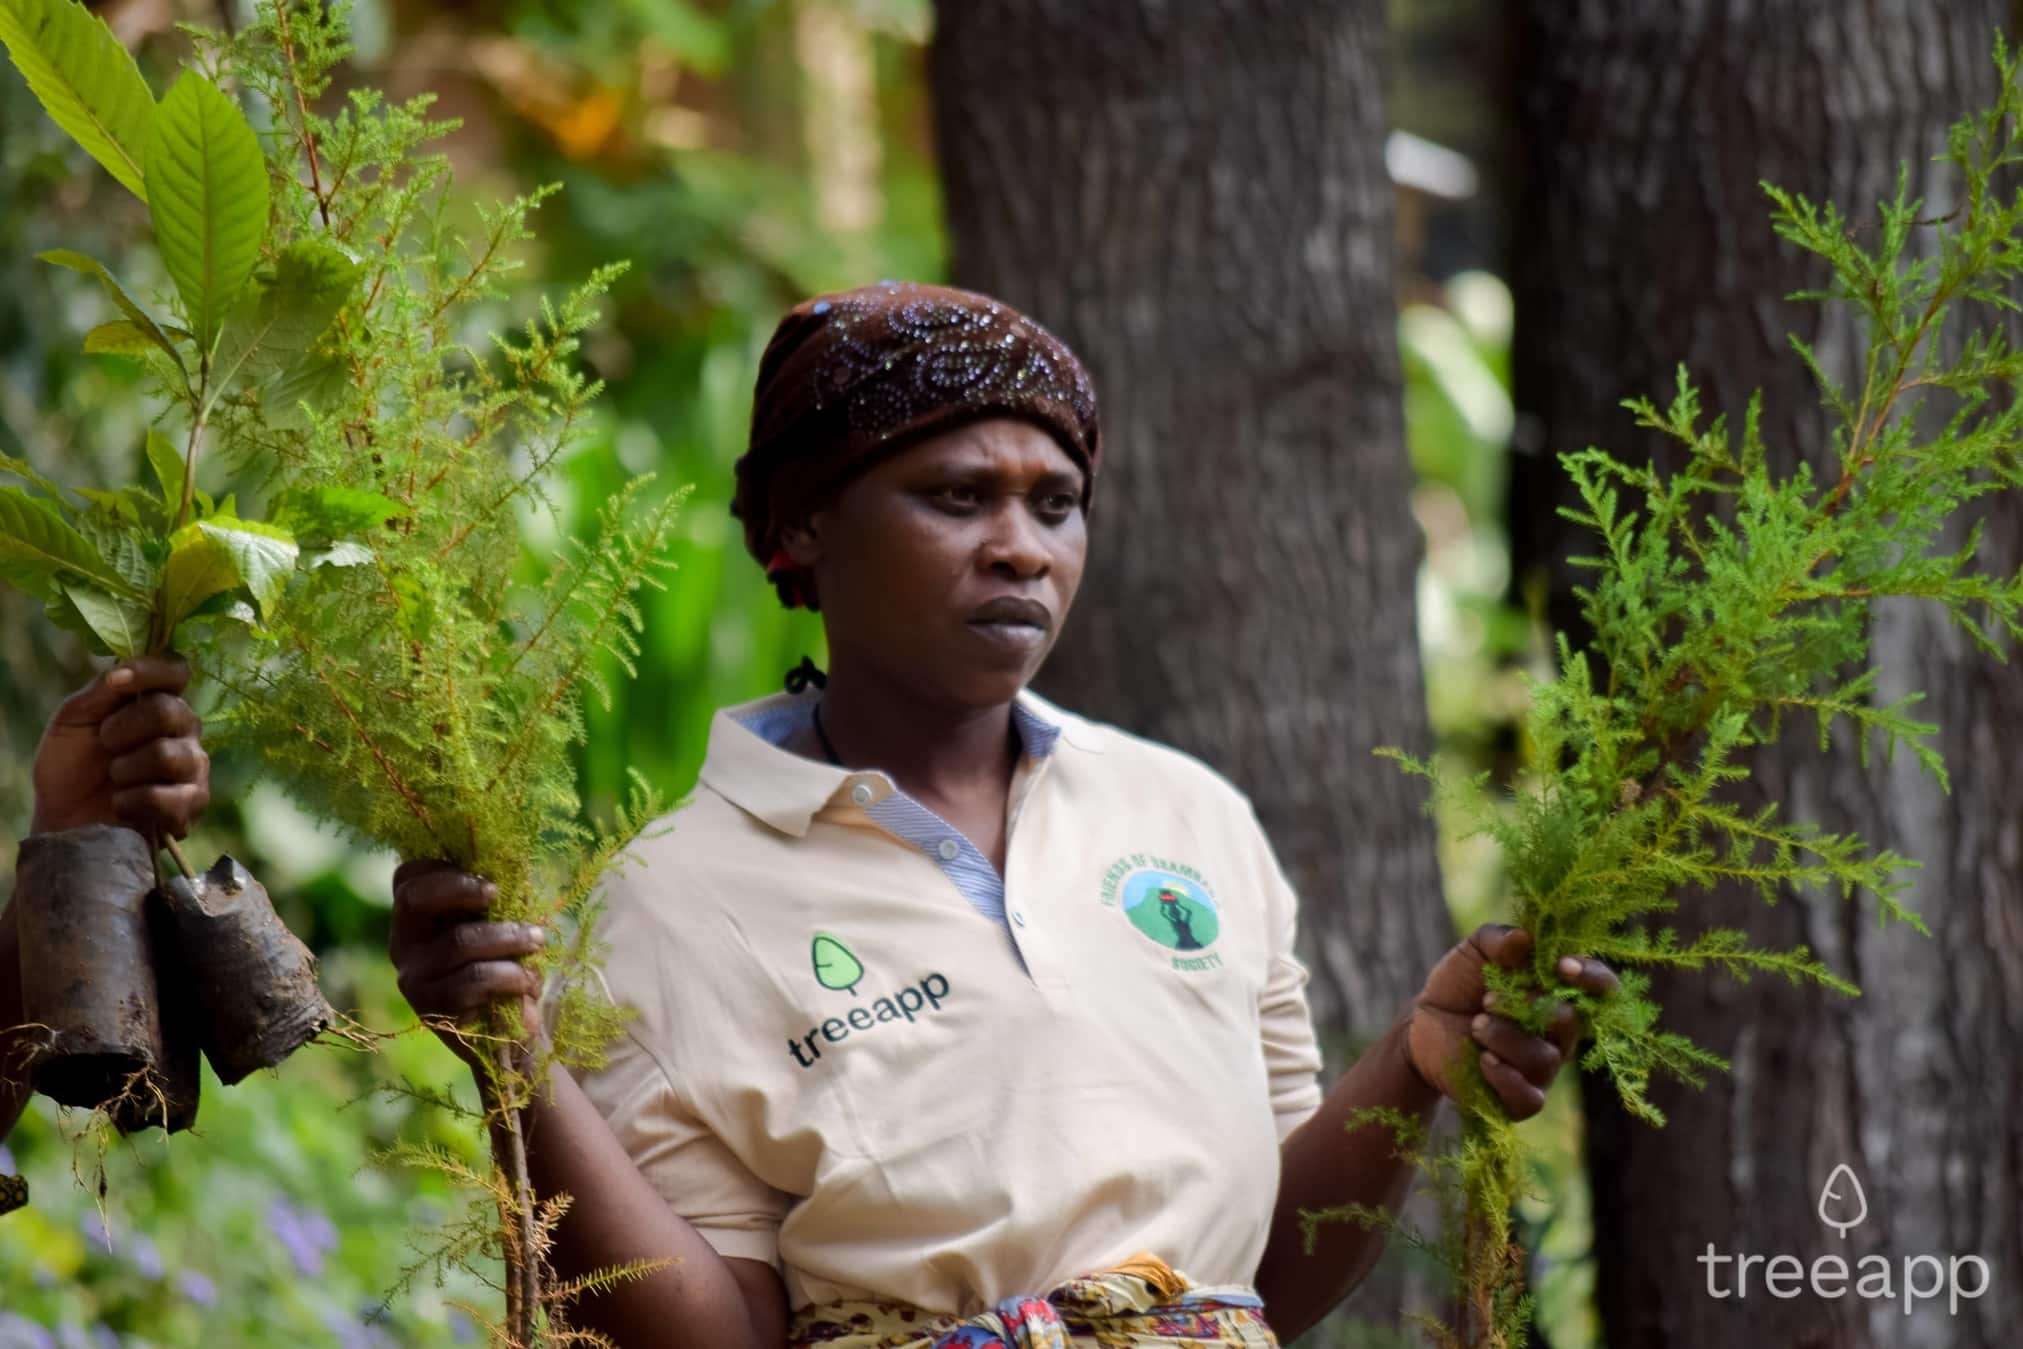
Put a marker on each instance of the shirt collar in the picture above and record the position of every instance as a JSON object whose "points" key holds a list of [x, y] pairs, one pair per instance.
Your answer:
{"points": [[745, 764]]}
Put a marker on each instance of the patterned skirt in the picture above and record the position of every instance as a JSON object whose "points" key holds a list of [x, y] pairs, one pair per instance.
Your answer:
{"points": [[1141, 1304]]}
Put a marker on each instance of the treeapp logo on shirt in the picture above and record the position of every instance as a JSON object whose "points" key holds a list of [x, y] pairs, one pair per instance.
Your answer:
{"points": [[837, 968], [1169, 902]]}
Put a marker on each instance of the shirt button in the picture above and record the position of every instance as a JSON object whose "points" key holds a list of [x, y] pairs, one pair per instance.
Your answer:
{"points": [[1019, 917], [949, 849], [861, 793]]}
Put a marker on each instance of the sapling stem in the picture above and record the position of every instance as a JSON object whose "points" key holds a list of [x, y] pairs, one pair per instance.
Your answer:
{"points": [[177, 853], [190, 456]]}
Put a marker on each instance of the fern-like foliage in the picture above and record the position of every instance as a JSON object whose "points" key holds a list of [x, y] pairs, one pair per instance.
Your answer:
{"points": [[412, 688], [1727, 601]]}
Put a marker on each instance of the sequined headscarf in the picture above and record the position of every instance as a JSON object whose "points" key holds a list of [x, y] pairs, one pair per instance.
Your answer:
{"points": [[850, 377]]}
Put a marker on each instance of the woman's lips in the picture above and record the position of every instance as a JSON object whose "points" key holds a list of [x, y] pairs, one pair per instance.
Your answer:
{"points": [[1007, 633]]}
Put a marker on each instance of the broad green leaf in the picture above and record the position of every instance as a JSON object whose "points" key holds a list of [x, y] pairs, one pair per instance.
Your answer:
{"points": [[124, 546], [265, 555], [324, 513], [224, 605], [37, 582], [77, 262], [117, 503], [223, 611], [167, 462], [280, 316], [121, 337], [121, 622], [64, 613], [199, 567], [86, 80], [133, 505], [21, 468], [343, 553], [33, 534], [207, 194], [316, 380]]}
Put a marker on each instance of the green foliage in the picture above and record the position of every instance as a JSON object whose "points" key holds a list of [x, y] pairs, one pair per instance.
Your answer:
{"points": [[1725, 597], [207, 195], [85, 79], [129, 568], [421, 697], [723, 242], [272, 1222], [138, 318], [409, 689]]}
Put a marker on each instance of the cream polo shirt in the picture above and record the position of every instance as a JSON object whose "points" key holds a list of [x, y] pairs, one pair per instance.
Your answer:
{"points": [[864, 1056]]}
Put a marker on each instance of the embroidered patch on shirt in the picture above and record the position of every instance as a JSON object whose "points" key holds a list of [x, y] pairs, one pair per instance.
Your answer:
{"points": [[1168, 902]]}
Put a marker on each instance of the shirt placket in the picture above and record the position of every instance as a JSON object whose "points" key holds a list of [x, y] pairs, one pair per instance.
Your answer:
{"points": [[910, 823]]}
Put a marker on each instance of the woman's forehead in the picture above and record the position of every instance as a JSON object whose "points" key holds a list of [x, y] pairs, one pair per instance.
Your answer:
{"points": [[1008, 444]]}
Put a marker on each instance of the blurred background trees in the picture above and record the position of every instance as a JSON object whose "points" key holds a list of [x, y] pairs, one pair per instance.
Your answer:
{"points": [[1196, 200], [1276, 231], [1644, 131]]}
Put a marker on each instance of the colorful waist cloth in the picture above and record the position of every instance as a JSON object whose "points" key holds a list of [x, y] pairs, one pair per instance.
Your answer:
{"points": [[1141, 1304]]}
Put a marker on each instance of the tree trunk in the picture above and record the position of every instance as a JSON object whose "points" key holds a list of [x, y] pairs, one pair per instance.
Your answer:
{"points": [[1643, 241], [1193, 196]]}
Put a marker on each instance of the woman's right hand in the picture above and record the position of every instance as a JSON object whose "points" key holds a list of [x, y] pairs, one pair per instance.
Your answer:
{"points": [[453, 963]]}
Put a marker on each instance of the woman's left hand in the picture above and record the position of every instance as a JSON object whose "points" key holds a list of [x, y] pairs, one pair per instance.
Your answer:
{"points": [[125, 749], [1453, 1015]]}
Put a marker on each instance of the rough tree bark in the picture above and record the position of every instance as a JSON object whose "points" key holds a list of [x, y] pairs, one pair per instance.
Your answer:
{"points": [[1643, 241], [1194, 197]]}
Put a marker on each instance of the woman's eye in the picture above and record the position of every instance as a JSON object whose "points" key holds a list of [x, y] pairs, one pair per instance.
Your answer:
{"points": [[1059, 505], [957, 497]]}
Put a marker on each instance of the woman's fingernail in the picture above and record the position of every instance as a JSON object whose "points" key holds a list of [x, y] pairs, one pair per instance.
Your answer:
{"points": [[1489, 1059], [1488, 1001], [1570, 966], [1481, 1021], [538, 936], [119, 677]]}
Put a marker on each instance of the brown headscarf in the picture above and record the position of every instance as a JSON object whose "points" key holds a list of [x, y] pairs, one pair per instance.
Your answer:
{"points": [[853, 376]]}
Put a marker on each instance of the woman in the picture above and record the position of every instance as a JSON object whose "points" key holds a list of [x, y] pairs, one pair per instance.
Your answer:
{"points": [[961, 1019]]}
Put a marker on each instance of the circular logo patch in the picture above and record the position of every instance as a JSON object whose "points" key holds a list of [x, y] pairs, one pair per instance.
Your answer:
{"points": [[1176, 913]]}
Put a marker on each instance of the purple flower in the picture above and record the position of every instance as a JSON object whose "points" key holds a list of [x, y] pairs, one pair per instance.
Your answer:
{"points": [[18, 1332], [104, 1337], [197, 1287], [305, 1234], [351, 1334], [461, 1329], [93, 1228], [7, 1165], [145, 1256]]}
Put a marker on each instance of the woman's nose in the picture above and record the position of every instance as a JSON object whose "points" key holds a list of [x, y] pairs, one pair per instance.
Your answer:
{"points": [[1017, 543]]}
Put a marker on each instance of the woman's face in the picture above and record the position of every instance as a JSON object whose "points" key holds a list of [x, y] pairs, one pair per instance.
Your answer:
{"points": [[950, 566]]}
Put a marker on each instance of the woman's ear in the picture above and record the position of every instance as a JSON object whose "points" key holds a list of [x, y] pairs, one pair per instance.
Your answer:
{"points": [[802, 542]]}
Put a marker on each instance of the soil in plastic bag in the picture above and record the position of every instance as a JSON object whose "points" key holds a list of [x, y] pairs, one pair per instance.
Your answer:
{"points": [[178, 1074], [253, 982], [88, 974]]}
